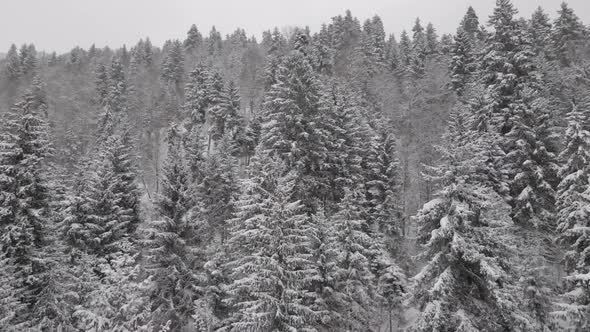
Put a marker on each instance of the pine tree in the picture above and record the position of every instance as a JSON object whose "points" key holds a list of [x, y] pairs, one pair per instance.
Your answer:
{"points": [[540, 30], [214, 42], [197, 98], [24, 192], [573, 200], [193, 40], [405, 49], [28, 59], [117, 301], [431, 40], [419, 49], [291, 113], [173, 64], [168, 243], [519, 112], [13, 66], [10, 306], [470, 23], [374, 35], [353, 278], [269, 243], [217, 189], [124, 163], [466, 284], [567, 32], [462, 61], [102, 84], [392, 53], [225, 116], [102, 225], [345, 133], [382, 183]]}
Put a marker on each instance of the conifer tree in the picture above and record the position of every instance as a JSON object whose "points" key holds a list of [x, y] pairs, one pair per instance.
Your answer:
{"points": [[197, 98], [10, 306], [270, 263], [405, 49], [382, 184], [462, 61], [168, 244], [540, 30], [215, 194], [13, 66], [24, 192], [573, 200], [353, 278], [173, 64], [466, 284], [567, 32], [102, 84], [124, 162], [225, 115], [519, 112], [290, 131], [470, 23], [431, 40], [419, 49], [193, 40]]}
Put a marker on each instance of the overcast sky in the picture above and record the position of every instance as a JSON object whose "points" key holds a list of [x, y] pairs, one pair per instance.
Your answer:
{"points": [[62, 24]]}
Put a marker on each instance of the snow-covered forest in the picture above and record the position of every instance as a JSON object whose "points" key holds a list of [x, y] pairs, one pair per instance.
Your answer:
{"points": [[334, 180]]}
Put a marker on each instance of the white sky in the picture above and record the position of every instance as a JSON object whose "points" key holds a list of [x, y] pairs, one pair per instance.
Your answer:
{"points": [[62, 24]]}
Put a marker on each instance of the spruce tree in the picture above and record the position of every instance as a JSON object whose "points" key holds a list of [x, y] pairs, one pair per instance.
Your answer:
{"points": [[290, 132], [353, 278], [12, 66], [168, 240], [10, 305], [197, 98], [540, 30], [124, 162], [568, 31], [467, 283], [193, 40], [24, 192], [470, 23], [573, 200], [269, 243], [173, 64], [462, 61], [431, 40], [216, 192]]}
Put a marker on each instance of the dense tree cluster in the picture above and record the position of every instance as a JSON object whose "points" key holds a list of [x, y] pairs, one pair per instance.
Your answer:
{"points": [[342, 180]]}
